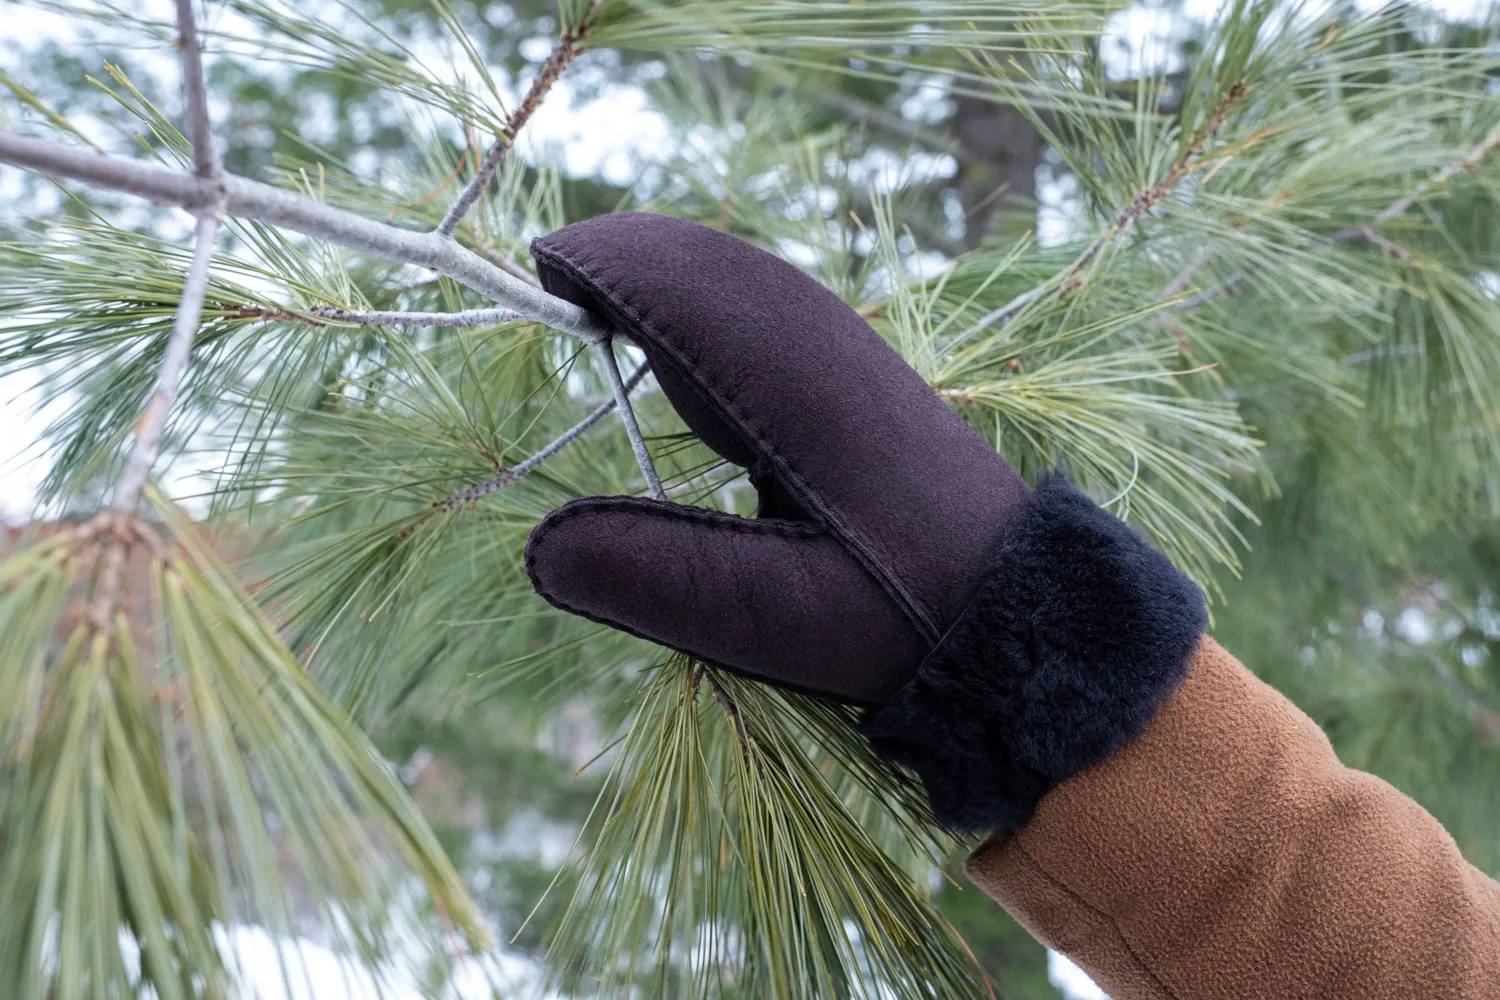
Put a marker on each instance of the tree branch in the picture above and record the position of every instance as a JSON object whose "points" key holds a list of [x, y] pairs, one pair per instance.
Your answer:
{"points": [[627, 416], [153, 421], [1232, 284], [530, 465], [249, 199], [375, 317], [561, 56], [701, 671], [1486, 718], [1177, 284], [1181, 167], [1069, 280], [895, 126], [205, 162], [1468, 161]]}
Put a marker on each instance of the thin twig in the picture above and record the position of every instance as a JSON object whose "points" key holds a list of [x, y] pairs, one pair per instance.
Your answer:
{"points": [[558, 60], [1185, 164], [247, 199], [1485, 717], [1387, 351], [1227, 288], [503, 260], [205, 161], [701, 671], [326, 315], [896, 126], [152, 423], [1231, 285], [1466, 162], [1070, 279], [271, 314], [530, 465], [627, 416]]}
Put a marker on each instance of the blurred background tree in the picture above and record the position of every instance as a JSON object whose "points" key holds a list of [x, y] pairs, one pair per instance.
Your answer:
{"points": [[1240, 282]]}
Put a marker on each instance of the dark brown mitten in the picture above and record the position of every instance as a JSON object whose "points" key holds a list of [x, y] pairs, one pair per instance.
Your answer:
{"points": [[881, 514]]}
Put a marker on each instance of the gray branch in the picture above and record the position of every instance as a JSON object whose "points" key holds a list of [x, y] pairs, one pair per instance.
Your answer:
{"points": [[627, 415], [892, 124], [153, 421], [562, 55], [1071, 278], [205, 161], [210, 194], [374, 317], [252, 200], [249, 199], [1178, 283], [522, 469]]}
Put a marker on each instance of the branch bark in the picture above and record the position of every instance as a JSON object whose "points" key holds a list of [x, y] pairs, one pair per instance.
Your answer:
{"points": [[153, 421], [1185, 164], [205, 162], [701, 671], [375, 317], [627, 415], [560, 58], [249, 199]]}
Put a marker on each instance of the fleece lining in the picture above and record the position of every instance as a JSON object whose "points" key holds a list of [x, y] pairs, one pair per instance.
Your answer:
{"points": [[1076, 633]]}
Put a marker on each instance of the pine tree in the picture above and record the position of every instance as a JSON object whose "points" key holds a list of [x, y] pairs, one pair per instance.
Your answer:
{"points": [[1270, 339]]}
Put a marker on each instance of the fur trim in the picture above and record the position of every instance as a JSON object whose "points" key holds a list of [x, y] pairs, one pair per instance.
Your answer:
{"points": [[1075, 635]]}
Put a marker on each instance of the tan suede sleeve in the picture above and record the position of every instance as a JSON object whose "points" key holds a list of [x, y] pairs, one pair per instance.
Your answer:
{"points": [[1228, 854]]}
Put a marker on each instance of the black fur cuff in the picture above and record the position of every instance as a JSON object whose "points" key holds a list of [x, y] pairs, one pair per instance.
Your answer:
{"points": [[1077, 632]]}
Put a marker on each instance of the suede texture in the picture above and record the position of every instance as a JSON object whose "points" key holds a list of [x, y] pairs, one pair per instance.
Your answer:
{"points": [[724, 589], [1226, 854], [879, 506], [1076, 634]]}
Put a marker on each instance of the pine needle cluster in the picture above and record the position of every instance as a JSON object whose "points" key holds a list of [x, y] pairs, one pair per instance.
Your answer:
{"points": [[1274, 302]]}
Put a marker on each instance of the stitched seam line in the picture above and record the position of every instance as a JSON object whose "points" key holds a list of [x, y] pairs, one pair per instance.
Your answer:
{"points": [[862, 548], [1086, 905]]}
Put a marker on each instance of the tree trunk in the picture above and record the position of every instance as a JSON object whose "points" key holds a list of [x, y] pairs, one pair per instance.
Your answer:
{"points": [[997, 181]]}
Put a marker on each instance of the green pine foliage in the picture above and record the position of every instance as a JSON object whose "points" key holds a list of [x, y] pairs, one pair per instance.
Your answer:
{"points": [[1269, 338]]}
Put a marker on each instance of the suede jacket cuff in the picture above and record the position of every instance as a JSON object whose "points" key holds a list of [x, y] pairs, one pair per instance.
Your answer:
{"points": [[1077, 632]]}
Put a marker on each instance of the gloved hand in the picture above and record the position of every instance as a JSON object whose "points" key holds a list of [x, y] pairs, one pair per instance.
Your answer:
{"points": [[885, 525], [879, 507]]}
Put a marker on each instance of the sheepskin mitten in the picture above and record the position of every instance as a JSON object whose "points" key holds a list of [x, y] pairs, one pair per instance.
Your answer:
{"points": [[1002, 639]]}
